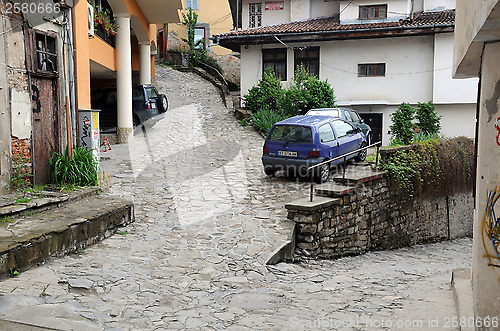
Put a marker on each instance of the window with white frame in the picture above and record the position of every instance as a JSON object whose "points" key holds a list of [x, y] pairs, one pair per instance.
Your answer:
{"points": [[199, 38], [373, 12], [371, 70], [255, 14], [192, 3]]}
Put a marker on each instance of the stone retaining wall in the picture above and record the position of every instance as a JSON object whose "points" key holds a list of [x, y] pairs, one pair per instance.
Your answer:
{"points": [[372, 217]]}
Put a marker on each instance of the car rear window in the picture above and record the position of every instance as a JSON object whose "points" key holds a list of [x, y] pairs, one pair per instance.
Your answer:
{"points": [[292, 133], [151, 93], [326, 112]]}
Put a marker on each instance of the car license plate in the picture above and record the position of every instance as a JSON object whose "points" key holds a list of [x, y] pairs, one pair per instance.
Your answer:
{"points": [[153, 105], [287, 153]]}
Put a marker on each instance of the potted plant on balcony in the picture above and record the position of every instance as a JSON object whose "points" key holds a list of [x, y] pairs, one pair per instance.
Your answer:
{"points": [[102, 18]]}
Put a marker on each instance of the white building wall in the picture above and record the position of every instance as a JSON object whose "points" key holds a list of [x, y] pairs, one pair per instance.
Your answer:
{"points": [[251, 68], [436, 5], [320, 8], [300, 10], [409, 65], [457, 119], [349, 10], [447, 89], [269, 17]]}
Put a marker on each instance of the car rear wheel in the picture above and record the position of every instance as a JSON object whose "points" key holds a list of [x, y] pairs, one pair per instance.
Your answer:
{"points": [[162, 103], [323, 173], [362, 155]]}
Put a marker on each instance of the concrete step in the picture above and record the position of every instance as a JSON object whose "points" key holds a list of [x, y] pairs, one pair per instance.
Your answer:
{"points": [[334, 190], [11, 205], [358, 174], [30, 239]]}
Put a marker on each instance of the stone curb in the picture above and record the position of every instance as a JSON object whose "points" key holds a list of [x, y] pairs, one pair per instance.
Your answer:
{"points": [[284, 253], [462, 293], [31, 240]]}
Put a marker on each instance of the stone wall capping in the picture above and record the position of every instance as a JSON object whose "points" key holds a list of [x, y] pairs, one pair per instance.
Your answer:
{"points": [[334, 190], [354, 177], [318, 204]]}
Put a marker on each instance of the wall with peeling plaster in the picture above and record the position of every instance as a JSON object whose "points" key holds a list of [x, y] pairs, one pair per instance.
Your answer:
{"points": [[20, 114], [16, 126]]}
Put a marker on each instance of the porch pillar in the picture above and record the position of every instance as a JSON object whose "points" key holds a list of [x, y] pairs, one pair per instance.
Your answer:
{"points": [[145, 63], [124, 80]]}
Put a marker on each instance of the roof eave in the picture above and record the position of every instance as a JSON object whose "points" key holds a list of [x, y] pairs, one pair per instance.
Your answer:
{"points": [[235, 42]]}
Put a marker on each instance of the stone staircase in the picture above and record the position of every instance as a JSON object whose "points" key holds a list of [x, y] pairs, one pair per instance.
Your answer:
{"points": [[53, 224], [329, 193]]}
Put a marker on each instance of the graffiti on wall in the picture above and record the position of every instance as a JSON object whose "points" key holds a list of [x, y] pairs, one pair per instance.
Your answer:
{"points": [[85, 131], [497, 126], [491, 229]]}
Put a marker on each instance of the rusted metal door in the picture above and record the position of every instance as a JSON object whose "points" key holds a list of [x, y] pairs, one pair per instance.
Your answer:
{"points": [[44, 101]]}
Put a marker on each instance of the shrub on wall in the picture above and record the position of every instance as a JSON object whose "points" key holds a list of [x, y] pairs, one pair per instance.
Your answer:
{"points": [[429, 121], [402, 126], [433, 167]]}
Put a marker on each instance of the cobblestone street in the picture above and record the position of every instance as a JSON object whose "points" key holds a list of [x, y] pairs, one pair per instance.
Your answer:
{"points": [[206, 221]]}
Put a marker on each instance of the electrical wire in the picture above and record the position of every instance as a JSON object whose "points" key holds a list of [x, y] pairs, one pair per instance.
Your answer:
{"points": [[11, 29], [387, 74]]}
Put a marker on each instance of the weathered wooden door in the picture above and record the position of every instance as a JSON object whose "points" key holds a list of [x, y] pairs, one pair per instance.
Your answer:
{"points": [[44, 100]]}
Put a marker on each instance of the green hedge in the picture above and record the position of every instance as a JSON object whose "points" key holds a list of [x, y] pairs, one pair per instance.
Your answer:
{"points": [[432, 168]]}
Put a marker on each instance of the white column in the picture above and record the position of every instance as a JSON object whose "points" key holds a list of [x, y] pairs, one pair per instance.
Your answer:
{"points": [[124, 79], [145, 63]]}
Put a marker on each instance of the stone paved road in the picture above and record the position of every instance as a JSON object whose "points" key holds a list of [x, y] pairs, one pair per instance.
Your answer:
{"points": [[207, 219]]}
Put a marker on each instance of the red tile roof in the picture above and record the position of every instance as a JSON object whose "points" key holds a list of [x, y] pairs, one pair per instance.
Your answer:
{"points": [[332, 24]]}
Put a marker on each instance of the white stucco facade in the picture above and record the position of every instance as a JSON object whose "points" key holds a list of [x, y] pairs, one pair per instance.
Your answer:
{"points": [[418, 69]]}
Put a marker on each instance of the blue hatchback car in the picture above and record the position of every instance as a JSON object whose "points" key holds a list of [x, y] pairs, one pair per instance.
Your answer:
{"points": [[300, 142]]}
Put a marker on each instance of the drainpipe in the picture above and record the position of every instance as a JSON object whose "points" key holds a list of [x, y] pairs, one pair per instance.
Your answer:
{"points": [[71, 65], [412, 9]]}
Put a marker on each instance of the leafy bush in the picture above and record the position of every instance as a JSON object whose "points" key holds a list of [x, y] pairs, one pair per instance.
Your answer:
{"points": [[402, 126], [419, 137], [429, 121], [306, 92], [266, 94], [433, 167], [264, 119], [79, 169]]}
